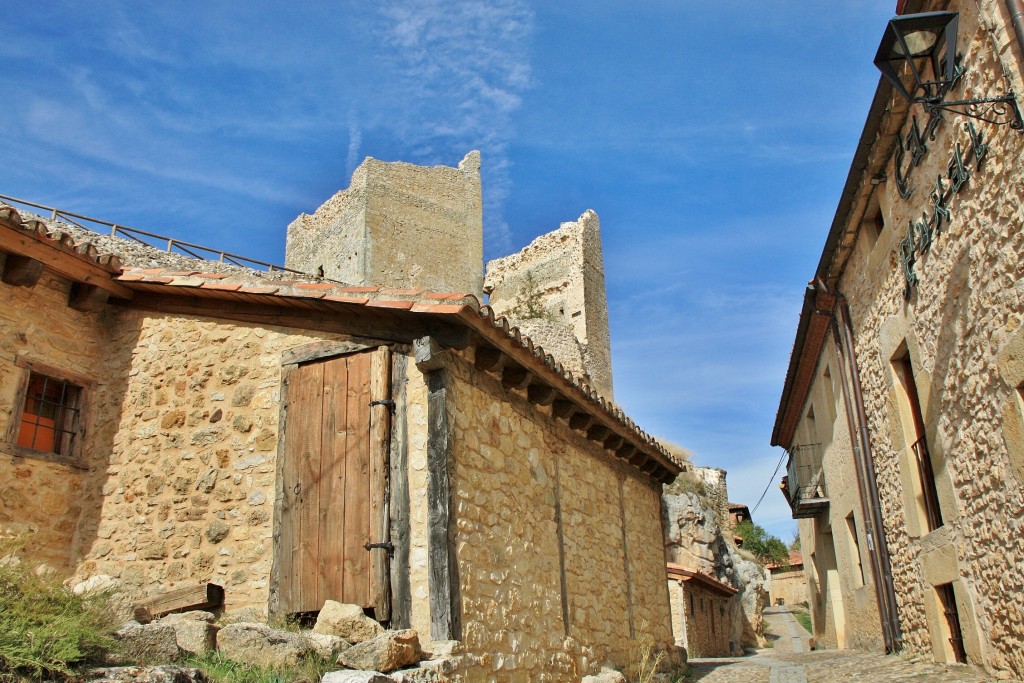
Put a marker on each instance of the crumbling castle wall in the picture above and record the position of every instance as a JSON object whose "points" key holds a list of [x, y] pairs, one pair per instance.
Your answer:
{"points": [[397, 225], [559, 277]]}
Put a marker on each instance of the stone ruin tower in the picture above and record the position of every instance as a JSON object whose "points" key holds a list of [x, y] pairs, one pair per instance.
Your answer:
{"points": [[397, 225], [553, 290], [403, 226]]}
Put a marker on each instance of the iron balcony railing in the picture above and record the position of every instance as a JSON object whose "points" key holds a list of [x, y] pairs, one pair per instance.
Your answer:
{"points": [[149, 238], [805, 481]]}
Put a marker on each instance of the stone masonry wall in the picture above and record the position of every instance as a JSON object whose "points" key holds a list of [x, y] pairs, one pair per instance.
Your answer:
{"points": [[963, 330], [789, 585], [512, 466], [397, 225], [828, 436], [560, 277], [184, 491], [40, 500]]}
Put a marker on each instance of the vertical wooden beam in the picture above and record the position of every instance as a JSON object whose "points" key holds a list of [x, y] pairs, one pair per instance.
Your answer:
{"points": [[280, 502], [625, 558], [401, 587], [560, 531], [380, 468], [442, 565]]}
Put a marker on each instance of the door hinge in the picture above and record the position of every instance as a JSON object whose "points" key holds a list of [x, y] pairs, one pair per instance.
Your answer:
{"points": [[386, 545], [384, 402]]}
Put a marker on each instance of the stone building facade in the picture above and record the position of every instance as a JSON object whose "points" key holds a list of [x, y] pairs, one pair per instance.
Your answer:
{"points": [[701, 613], [905, 383], [787, 584], [294, 439]]}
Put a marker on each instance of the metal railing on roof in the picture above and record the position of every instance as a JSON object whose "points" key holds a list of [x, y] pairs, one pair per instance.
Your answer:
{"points": [[156, 241]]}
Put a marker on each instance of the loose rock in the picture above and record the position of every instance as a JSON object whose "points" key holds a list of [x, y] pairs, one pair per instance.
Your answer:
{"points": [[147, 674], [325, 646], [355, 677], [258, 644], [386, 652], [150, 641], [607, 675], [346, 621]]}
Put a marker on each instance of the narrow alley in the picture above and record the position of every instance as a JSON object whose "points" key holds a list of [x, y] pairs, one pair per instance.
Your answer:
{"points": [[790, 660]]}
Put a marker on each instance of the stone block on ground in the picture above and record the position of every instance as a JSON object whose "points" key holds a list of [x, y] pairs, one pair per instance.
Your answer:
{"points": [[607, 675], [386, 652], [195, 637], [191, 615], [346, 621], [258, 644], [146, 674], [326, 647], [355, 677], [149, 641]]}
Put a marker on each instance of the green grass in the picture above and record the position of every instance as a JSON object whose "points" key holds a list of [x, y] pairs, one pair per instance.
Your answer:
{"points": [[804, 617], [46, 631], [221, 670]]}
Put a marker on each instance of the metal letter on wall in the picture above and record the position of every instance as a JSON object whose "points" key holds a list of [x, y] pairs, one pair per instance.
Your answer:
{"points": [[957, 172], [902, 177], [939, 211], [908, 257]]}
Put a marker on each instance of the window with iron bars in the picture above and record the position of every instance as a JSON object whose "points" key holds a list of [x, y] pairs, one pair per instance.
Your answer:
{"points": [[50, 416]]}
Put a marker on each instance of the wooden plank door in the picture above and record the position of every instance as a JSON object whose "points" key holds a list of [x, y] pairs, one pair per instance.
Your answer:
{"points": [[334, 469]]}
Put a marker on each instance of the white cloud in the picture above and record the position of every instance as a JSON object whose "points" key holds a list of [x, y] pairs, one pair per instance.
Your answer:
{"points": [[461, 68]]}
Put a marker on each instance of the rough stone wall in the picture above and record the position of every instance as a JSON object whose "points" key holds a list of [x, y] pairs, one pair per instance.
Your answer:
{"points": [[861, 626], [702, 617], [963, 330], [397, 225], [788, 585], [184, 491], [559, 277], [512, 466], [40, 500]]}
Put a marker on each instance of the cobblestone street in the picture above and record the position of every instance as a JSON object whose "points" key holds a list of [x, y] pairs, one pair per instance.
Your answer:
{"points": [[791, 661]]}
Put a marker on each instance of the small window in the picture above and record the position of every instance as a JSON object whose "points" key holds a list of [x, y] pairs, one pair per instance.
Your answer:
{"points": [[50, 416], [692, 611]]}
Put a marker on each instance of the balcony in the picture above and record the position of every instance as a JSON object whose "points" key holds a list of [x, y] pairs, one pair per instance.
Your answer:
{"points": [[804, 483]]}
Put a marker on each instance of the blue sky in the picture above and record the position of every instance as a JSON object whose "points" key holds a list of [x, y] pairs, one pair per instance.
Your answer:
{"points": [[712, 138]]}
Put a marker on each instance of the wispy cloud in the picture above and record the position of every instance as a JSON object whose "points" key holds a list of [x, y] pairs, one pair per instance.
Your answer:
{"points": [[460, 70]]}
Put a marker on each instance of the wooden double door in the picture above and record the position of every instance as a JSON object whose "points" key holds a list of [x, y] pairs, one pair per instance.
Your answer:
{"points": [[336, 422]]}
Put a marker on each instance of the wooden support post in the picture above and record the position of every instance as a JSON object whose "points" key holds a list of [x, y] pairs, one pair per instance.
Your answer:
{"points": [[87, 298], [380, 469], [625, 559], [487, 358], [614, 442], [22, 271], [514, 377], [541, 394], [560, 533], [562, 408], [442, 578], [580, 421], [401, 588]]}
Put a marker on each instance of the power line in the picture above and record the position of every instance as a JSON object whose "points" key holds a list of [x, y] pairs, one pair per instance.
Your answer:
{"points": [[771, 480]]}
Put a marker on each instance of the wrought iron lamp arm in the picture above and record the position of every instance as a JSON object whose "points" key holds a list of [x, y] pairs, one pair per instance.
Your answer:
{"points": [[999, 116]]}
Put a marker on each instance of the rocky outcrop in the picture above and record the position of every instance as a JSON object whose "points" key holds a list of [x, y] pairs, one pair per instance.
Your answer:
{"points": [[694, 538]]}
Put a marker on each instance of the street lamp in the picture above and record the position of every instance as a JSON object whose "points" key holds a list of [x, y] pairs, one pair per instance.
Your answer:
{"points": [[924, 45]]}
